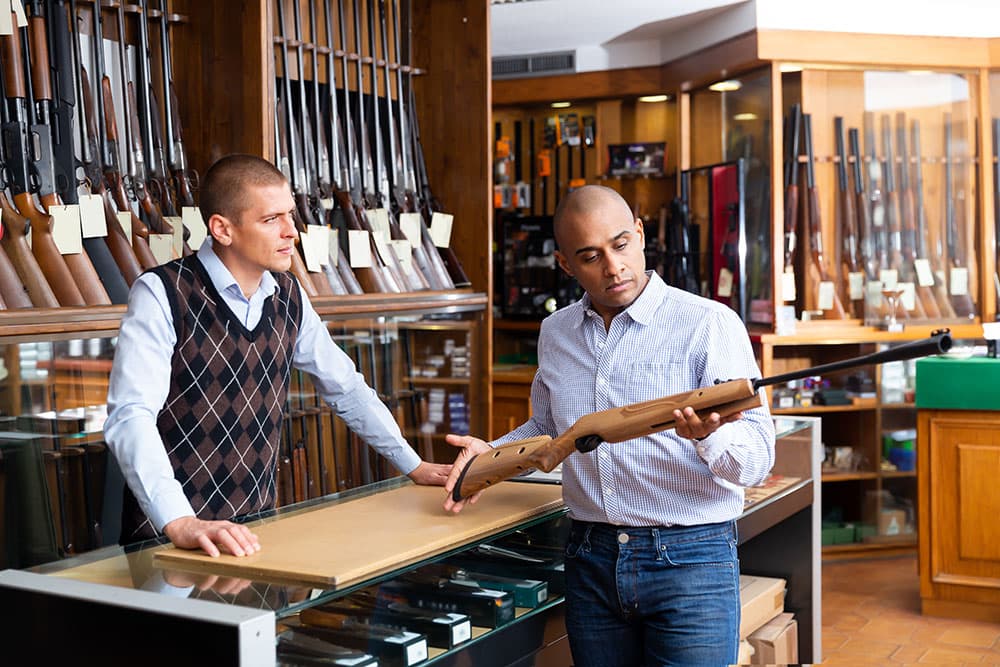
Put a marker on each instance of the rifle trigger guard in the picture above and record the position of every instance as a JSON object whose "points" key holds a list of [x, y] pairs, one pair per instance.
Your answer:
{"points": [[588, 443]]}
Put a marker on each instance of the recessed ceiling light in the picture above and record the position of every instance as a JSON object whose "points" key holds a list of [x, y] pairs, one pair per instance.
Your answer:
{"points": [[561, 105], [745, 116], [727, 86], [654, 98]]}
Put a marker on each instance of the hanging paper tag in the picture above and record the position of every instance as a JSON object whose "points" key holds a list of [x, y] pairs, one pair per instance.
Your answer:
{"points": [[125, 220], [725, 288], [959, 283], [191, 218], [441, 229], [162, 247], [176, 223], [359, 248], [909, 295], [410, 224], [92, 221], [66, 229], [788, 286], [856, 285], [309, 253], [826, 293], [888, 278], [925, 276]]}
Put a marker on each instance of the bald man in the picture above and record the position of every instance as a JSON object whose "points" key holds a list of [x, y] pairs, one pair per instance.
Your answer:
{"points": [[651, 568]]}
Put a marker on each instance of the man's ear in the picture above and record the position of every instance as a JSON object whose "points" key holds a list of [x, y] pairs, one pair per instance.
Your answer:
{"points": [[563, 263], [639, 229], [220, 227]]}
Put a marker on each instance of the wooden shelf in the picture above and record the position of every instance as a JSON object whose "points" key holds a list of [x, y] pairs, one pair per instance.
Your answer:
{"points": [[517, 325], [438, 380], [898, 474], [867, 548], [820, 409], [823, 333], [898, 406], [848, 476]]}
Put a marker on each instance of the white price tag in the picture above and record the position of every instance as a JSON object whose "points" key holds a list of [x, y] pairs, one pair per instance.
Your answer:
{"points": [[378, 218], [873, 294], [788, 286], [309, 250], [359, 248], [327, 204], [321, 240], [925, 276], [725, 288], [382, 245], [18, 9], [410, 224], [176, 223], [888, 278], [191, 217], [162, 246], [66, 229], [826, 294], [6, 24], [404, 252], [959, 283], [441, 229], [92, 219], [856, 285], [909, 295], [125, 220]]}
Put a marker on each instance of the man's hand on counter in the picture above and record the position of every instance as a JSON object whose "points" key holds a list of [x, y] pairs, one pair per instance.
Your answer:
{"points": [[470, 448], [430, 474], [212, 537]]}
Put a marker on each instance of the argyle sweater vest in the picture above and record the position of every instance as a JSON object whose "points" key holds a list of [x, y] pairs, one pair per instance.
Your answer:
{"points": [[221, 422]]}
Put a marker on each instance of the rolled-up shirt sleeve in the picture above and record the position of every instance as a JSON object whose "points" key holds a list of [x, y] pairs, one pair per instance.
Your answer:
{"points": [[341, 385], [140, 381]]}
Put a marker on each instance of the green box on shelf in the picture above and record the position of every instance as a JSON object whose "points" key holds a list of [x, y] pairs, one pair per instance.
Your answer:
{"points": [[863, 530], [838, 533]]}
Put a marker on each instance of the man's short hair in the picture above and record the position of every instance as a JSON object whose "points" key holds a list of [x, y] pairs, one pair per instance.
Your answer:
{"points": [[224, 187]]}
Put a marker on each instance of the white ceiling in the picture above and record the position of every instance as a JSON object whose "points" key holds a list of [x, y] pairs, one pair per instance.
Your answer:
{"points": [[607, 34]]}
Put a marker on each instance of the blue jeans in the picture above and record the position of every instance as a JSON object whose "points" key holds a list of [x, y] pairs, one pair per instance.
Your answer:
{"points": [[652, 596]]}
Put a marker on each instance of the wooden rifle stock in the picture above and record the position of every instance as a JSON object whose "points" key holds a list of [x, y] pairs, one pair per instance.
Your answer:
{"points": [[51, 261], [939, 290], [11, 288], [817, 273], [80, 267], [641, 419], [14, 239]]}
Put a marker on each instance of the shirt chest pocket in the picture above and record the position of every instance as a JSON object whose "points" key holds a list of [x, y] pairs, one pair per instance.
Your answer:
{"points": [[646, 380]]}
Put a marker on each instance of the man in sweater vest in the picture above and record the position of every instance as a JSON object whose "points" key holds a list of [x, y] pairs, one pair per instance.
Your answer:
{"points": [[202, 369]]}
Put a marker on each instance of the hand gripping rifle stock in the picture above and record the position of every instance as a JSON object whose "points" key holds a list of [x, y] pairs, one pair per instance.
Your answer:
{"points": [[640, 419]]}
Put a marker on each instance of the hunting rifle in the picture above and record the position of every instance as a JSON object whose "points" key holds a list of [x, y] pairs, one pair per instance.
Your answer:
{"points": [[640, 419]]}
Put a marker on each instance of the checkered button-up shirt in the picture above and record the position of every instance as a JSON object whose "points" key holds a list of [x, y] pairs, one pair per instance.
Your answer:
{"points": [[668, 341]]}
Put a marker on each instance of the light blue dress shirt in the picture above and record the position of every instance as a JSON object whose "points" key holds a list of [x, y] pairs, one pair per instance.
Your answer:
{"points": [[140, 381], [666, 342]]}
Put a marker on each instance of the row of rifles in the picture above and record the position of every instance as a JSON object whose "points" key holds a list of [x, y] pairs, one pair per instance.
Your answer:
{"points": [[62, 161], [889, 257], [350, 147]]}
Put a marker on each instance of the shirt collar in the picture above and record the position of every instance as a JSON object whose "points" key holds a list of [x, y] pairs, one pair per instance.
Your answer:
{"points": [[223, 279], [642, 309]]}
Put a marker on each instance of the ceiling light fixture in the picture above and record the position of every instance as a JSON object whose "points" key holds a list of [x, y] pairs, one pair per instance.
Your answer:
{"points": [[654, 98], [727, 86], [561, 105]]}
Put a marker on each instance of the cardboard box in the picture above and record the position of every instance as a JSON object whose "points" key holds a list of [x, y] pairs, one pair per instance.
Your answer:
{"points": [[776, 642], [745, 655], [891, 522], [761, 599]]}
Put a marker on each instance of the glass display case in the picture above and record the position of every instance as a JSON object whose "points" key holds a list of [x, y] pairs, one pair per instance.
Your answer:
{"points": [[731, 123], [62, 490], [888, 215], [403, 606]]}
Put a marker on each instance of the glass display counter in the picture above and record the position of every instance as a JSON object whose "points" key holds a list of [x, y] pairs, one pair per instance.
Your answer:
{"points": [[429, 588]]}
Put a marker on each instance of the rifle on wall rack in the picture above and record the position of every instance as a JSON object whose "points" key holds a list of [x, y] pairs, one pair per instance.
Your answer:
{"points": [[185, 179], [958, 282], [40, 104], [924, 251], [791, 202], [852, 279], [108, 133], [910, 269], [288, 139], [329, 160], [820, 289], [65, 99], [427, 203], [29, 159], [866, 240], [896, 276], [641, 419]]}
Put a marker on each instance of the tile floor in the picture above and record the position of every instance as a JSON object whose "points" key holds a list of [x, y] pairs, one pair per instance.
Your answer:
{"points": [[871, 616]]}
